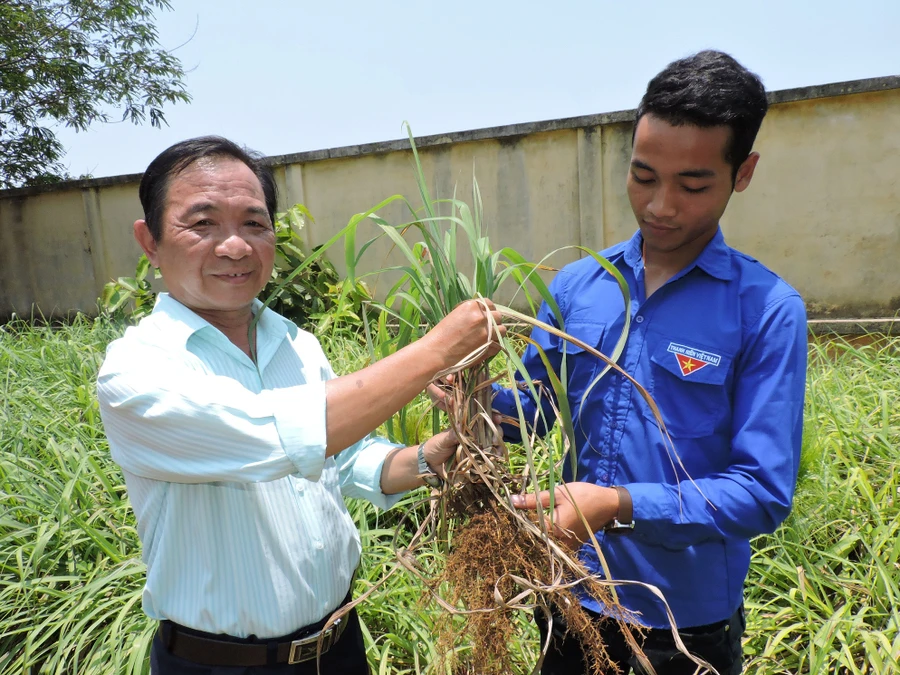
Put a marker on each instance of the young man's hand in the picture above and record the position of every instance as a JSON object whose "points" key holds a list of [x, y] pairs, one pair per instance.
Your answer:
{"points": [[599, 505]]}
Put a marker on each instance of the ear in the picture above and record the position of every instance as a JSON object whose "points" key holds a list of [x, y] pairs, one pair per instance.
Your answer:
{"points": [[146, 241], [745, 172]]}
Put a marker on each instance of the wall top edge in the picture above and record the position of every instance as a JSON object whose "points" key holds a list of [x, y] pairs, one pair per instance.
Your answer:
{"points": [[869, 85]]}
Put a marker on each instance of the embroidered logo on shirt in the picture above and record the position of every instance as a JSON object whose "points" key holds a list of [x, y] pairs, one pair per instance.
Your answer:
{"points": [[691, 360]]}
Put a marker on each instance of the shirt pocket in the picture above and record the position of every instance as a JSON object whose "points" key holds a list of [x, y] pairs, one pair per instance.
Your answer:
{"points": [[581, 366], [691, 386]]}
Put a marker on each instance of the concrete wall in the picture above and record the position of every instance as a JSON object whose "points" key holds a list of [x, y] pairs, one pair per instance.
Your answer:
{"points": [[823, 209]]}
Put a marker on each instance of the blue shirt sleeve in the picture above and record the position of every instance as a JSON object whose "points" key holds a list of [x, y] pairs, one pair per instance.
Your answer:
{"points": [[505, 399], [754, 494]]}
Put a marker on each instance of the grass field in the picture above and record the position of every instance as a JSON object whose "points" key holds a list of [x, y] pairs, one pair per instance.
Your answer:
{"points": [[823, 595]]}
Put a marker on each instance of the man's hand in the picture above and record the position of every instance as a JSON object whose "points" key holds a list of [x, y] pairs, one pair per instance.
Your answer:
{"points": [[598, 504], [437, 395], [473, 327], [438, 449], [400, 471]]}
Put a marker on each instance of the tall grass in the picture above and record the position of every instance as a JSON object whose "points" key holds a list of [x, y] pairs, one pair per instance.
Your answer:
{"points": [[824, 591], [822, 597], [70, 576]]}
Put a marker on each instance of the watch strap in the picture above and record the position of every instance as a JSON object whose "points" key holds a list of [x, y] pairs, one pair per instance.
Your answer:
{"points": [[425, 471], [624, 520]]}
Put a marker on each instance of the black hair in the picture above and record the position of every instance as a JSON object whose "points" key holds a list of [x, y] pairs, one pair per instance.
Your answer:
{"points": [[175, 159], [709, 89]]}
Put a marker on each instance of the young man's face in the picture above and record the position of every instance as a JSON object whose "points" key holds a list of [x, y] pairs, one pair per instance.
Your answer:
{"points": [[679, 185]]}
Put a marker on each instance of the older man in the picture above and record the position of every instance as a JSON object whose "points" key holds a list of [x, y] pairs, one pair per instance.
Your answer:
{"points": [[237, 445]]}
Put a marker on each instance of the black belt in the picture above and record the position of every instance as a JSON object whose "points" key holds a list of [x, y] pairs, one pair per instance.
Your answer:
{"points": [[209, 649]]}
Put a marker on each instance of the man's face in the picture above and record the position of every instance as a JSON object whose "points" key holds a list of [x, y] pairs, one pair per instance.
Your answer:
{"points": [[679, 184], [218, 244]]}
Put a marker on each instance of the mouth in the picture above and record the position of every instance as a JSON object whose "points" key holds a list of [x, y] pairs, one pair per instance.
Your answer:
{"points": [[657, 227], [233, 277]]}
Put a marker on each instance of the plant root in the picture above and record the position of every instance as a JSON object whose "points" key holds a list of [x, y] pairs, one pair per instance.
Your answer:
{"points": [[492, 563]]}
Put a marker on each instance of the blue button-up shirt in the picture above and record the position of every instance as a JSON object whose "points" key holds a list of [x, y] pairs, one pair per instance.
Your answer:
{"points": [[722, 349]]}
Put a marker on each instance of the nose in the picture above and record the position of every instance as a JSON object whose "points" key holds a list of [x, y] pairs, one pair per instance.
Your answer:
{"points": [[662, 205], [233, 246]]}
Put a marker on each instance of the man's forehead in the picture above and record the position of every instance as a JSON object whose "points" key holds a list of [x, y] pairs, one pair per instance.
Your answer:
{"points": [[214, 184], [213, 166], [215, 173], [692, 149]]}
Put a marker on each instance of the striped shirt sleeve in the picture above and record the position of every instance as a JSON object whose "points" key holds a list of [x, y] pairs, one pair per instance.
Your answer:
{"points": [[170, 420]]}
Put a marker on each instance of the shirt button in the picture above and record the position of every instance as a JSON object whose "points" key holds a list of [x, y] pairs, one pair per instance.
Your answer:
{"points": [[604, 477], [639, 318], [320, 545]]}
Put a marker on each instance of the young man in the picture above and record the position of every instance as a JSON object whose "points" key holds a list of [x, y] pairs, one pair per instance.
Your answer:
{"points": [[719, 341], [237, 445]]}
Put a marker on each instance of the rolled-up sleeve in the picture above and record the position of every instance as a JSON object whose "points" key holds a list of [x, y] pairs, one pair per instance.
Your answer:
{"points": [[300, 421], [169, 421], [360, 466]]}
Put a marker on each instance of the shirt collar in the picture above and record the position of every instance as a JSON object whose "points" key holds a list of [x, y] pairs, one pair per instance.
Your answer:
{"points": [[176, 323], [270, 332], [634, 250], [714, 259]]}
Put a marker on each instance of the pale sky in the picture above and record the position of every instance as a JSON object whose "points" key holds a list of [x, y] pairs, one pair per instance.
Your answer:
{"points": [[283, 76]]}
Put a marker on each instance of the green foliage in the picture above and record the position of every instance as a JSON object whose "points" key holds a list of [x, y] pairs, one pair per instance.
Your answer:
{"points": [[823, 594], [70, 575], [433, 281], [316, 298], [131, 296], [70, 62], [433, 278], [824, 590]]}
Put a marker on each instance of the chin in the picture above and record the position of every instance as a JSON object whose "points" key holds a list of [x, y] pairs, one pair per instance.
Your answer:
{"points": [[229, 304]]}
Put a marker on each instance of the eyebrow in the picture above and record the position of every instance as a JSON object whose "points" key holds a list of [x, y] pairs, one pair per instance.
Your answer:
{"points": [[692, 173], [202, 207]]}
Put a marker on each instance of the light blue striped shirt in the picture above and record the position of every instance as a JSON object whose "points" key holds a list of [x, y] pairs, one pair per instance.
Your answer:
{"points": [[241, 516]]}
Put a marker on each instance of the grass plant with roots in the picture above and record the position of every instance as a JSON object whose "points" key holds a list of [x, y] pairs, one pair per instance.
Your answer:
{"points": [[498, 559]]}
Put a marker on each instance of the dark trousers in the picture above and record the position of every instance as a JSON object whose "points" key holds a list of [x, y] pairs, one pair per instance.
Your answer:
{"points": [[718, 643], [346, 657]]}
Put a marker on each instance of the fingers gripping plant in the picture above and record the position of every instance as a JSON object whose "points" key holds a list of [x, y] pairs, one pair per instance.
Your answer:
{"points": [[496, 559]]}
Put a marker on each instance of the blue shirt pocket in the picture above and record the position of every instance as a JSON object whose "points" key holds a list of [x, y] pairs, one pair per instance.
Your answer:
{"points": [[691, 384], [581, 366], [589, 333]]}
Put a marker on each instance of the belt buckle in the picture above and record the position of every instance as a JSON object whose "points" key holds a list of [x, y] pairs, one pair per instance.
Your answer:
{"points": [[298, 654], [299, 651]]}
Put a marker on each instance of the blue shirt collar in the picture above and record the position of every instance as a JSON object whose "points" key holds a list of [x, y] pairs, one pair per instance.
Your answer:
{"points": [[714, 259]]}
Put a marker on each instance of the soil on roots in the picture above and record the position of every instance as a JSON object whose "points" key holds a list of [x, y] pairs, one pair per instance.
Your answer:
{"points": [[487, 549]]}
